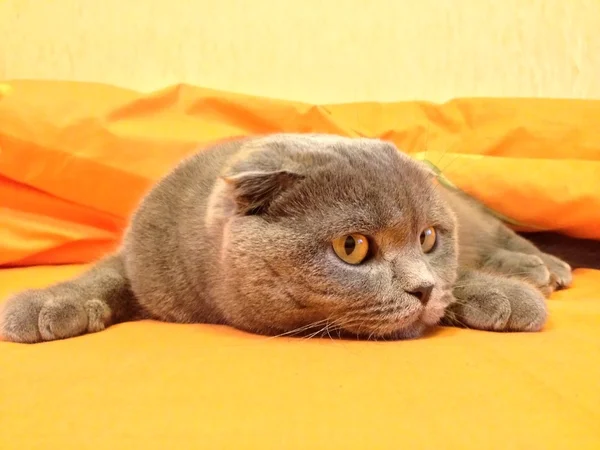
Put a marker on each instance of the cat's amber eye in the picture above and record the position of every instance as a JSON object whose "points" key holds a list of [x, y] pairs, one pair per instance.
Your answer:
{"points": [[428, 238], [352, 248]]}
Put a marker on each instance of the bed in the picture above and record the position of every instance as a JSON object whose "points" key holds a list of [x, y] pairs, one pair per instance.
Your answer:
{"points": [[75, 158]]}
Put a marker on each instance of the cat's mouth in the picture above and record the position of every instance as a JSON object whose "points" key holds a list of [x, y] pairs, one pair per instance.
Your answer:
{"points": [[408, 322]]}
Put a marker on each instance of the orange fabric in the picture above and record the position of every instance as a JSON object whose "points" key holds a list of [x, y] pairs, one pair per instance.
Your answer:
{"points": [[75, 158], [157, 386]]}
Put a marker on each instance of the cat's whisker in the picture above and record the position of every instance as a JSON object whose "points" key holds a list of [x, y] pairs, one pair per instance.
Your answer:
{"points": [[349, 320], [377, 327], [298, 330], [452, 161], [455, 320], [340, 326], [316, 333], [442, 156], [370, 335], [443, 170], [320, 332], [447, 150], [473, 160], [327, 328]]}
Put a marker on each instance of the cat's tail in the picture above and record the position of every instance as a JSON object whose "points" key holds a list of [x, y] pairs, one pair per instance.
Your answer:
{"points": [[99, 297]]}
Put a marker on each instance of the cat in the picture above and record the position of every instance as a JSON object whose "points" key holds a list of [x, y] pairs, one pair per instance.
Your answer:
{"points": [[303, 233]]}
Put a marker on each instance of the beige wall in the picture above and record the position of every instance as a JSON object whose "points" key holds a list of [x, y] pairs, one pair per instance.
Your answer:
{"points": [[312, 50]]}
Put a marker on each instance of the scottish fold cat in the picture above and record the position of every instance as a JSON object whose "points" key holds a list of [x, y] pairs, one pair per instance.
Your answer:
{"points": [[303, 233]]}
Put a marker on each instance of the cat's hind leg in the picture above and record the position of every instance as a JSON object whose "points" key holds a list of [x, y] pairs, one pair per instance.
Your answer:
{"points": [[491, 302], [524, 266], [517, 257], [88, 303], [560, 271]]}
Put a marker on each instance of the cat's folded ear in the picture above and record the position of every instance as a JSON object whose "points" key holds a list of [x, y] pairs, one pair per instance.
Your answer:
{"points": [[253, 191]]}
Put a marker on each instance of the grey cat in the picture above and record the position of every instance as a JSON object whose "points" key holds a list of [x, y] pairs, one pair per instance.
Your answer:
{"points": [[303, 233]]}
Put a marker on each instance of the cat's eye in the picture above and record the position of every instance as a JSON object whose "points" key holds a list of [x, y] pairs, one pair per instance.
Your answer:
{"points": [[352, 248], [428, 238]]}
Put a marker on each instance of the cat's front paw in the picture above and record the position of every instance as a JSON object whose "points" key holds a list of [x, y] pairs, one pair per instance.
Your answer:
{"points": [[495, 303], [44, 315]]}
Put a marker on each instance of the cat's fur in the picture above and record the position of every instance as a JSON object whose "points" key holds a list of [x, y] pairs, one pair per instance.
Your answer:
{"points": [[240, 234]]}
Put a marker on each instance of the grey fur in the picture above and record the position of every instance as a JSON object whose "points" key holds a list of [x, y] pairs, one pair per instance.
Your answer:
{"points": [[240, 234]]}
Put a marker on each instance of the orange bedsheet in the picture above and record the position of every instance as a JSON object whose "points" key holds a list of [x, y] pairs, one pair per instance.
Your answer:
{"points": [[75, 158], [161, 386]]}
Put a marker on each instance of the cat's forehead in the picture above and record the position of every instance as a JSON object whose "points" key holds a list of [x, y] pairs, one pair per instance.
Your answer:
{"points": [[311, 140], [336, 153], [379, 183], [367, 164], [324, 144], [357, 178]]}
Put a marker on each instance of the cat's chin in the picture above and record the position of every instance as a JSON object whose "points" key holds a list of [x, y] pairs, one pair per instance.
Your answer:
{"points": [[428, 319], [433, 315], [412, 327], [413, 331]]}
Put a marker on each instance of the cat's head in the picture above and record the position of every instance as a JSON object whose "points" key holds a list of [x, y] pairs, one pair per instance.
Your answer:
{"points": [[331, 234]]}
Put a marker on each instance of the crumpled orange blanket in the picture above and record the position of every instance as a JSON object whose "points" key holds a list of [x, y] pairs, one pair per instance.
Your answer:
{"points": [[64, 147], [76, 157]]}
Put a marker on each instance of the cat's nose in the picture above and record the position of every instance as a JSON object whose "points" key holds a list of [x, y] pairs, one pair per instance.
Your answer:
{"points": [[422, 292]]}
